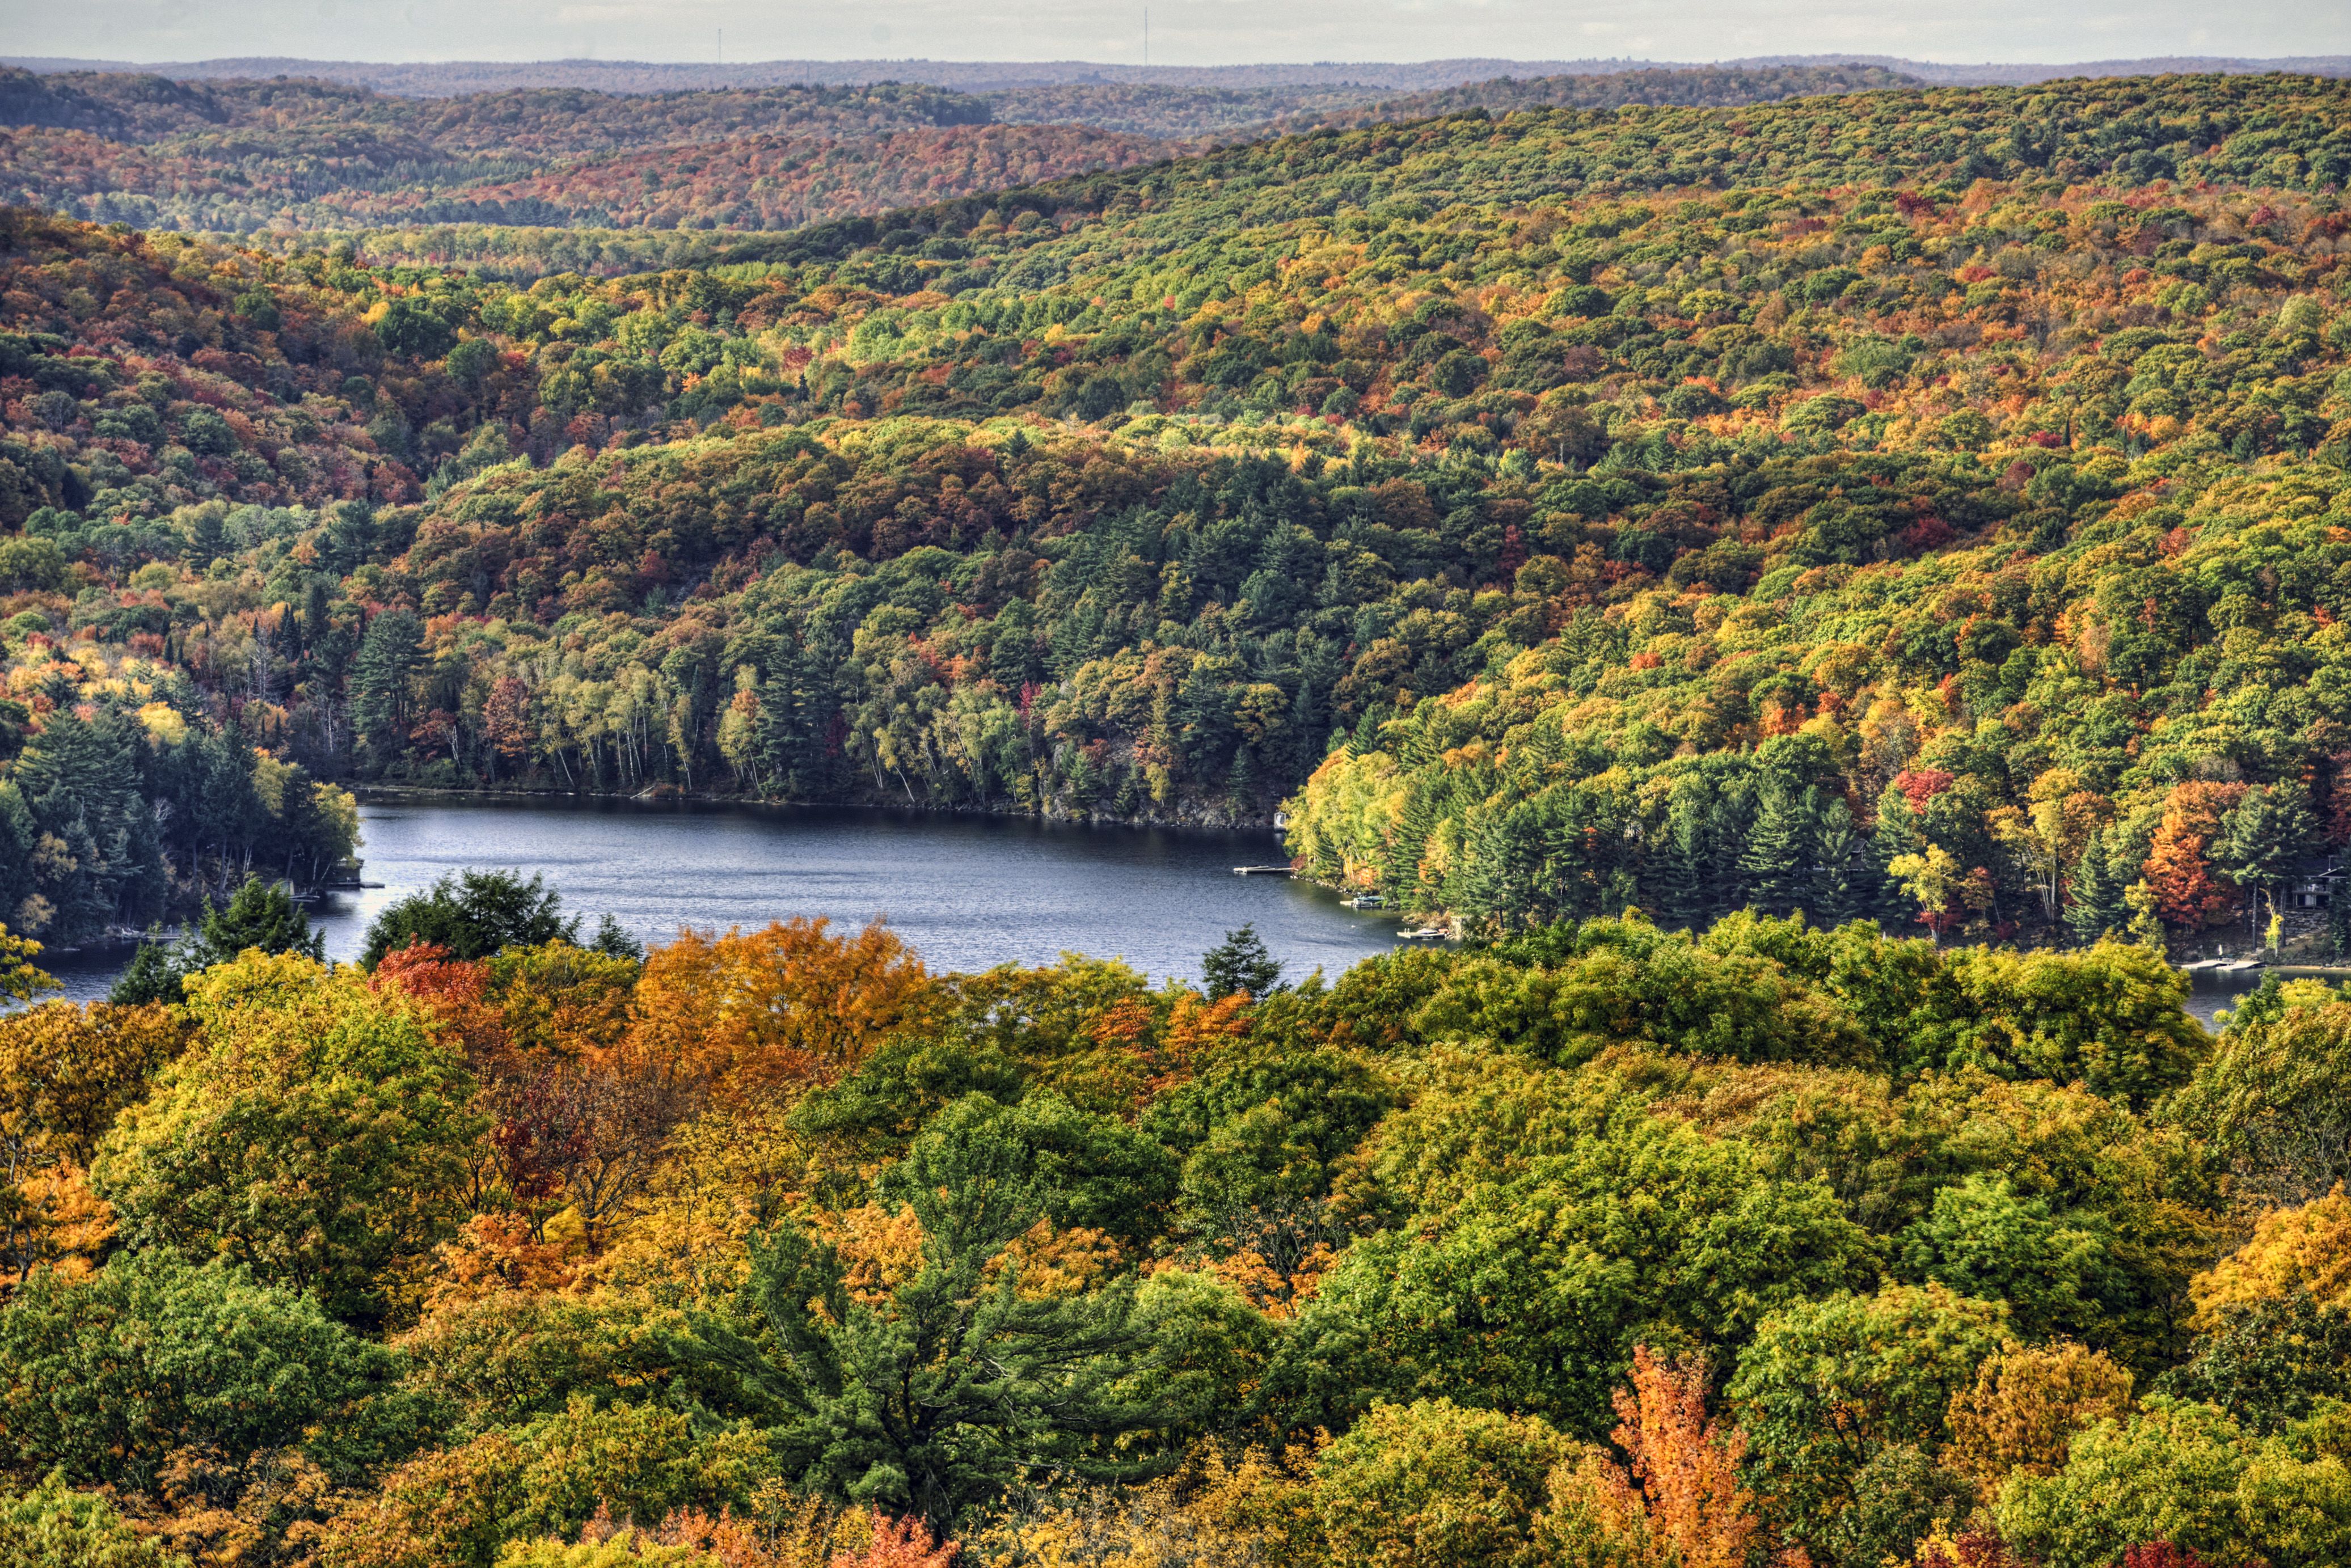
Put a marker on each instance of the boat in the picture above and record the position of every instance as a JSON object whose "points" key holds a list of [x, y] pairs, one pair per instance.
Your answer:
{"points": [[1426, 934], [2237, 966], [1363, 900], [1262, 871]]}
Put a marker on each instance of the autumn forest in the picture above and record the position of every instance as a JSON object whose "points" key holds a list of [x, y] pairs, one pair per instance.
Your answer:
{"points": [[1826, 588]]}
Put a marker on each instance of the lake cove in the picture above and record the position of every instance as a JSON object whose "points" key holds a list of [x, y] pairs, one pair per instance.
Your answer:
{"points": [[967, 893]]}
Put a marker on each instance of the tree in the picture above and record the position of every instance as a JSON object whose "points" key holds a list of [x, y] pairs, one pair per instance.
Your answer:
{"points": [[936, 1396], [2026, 1403], [471, 914], [316, 1131], [66, 1072], [1432, 1482], [2263, 837], [1934, 882], [1529, 1289], [1835, 897], [1830, 1386], [1777, 859], [152, 976], [2274, 1098], [1685, 1465], [105, 1379], [2179, 871], [774, 1012], [19, 977], [1239, 965], [2267, 1362], [261, 916], [53, 1526], [388, 656], [2187, 1475], [2094, 905]]}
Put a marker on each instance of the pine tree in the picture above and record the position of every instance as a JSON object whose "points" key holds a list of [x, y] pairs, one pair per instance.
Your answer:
{"points": [[261, 915], [1241, 965], [2093, 895], [1832, 900], [1777, 857], [1895, 835], [1684, 875]]}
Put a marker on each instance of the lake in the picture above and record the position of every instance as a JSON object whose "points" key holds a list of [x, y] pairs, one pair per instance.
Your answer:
{"points": [[966, 892]]}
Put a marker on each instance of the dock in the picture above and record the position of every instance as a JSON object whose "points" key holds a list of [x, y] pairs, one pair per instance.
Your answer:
{"points": [[1262, 871]]}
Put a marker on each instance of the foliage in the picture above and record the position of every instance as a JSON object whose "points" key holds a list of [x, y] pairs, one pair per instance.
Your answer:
{"points": [[53, 1526], [1239, 964], [471, 914], [313, 1132], [107, 1378]]}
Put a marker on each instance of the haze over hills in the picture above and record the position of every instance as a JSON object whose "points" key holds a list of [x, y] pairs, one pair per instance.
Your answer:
{"points": [[303, 154], [439, 79]]}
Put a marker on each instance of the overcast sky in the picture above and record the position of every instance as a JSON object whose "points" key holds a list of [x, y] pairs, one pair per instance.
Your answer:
{"points": [[1183, 32]]}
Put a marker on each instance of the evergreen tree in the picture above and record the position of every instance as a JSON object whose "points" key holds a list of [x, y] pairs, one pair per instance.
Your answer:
{"points": [[2263, 836], [2094, 894], [1684, 879], [261, 915], [1833, 897], [1241, 964], [1897, 834], [1777, 858], [151, 978], [388, 655]]}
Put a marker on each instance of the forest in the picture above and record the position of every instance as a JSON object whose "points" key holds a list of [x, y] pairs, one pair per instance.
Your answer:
{"points": [[1602, 1245], [278, 154], [1960, 554], [1826, 599]]}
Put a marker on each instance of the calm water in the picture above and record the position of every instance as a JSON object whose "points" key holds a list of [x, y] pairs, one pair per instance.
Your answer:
{"points": [[967, 893]]}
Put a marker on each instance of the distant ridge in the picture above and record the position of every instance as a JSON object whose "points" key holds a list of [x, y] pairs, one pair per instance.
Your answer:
{"points": [[448, 77]]}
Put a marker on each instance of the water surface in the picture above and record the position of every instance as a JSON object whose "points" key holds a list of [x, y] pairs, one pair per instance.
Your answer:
{"points": [[966, 891]]}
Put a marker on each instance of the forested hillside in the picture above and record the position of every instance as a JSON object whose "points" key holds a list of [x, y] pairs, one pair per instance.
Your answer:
{"points": [[1615, 532], [1755, 541], [242, 156]]}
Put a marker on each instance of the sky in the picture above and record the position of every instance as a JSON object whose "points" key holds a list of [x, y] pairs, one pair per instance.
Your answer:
{"points": [[1183, 32]]}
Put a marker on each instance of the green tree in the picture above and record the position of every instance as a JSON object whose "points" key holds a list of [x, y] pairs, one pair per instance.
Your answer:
{"points": [[261, 915], [1983, 1240], [2187, 1474], [473, 915], [2265, 836], [939, 1395], [1829, 1386], [1530, 1292], [53, 1526], [1777, 859], [315, 1132], [104, 1379], [388, 658], [152, 976], [2268, 1363], [1432, 1482], [1239, 965], [2093, 895]]}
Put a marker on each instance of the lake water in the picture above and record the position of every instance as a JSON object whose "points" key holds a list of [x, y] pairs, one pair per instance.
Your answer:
{"points": [[966, 892]]}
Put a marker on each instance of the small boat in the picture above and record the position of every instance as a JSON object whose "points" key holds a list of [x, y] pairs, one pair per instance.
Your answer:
{"points": [[1262, 871], [1363, 900], [1426, 934], [2237, 966]]}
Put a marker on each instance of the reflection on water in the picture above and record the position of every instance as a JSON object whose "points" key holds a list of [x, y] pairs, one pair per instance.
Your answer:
{"points": [[966, 892]]}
